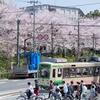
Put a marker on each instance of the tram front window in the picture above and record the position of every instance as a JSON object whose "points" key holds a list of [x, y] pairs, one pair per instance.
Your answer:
{"points": [[44, 73]]}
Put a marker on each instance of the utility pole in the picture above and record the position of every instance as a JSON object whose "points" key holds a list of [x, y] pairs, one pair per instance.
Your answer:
{"points": [[33, 35], [78, 42], [94, 43], [18, 54], [52, 40]]}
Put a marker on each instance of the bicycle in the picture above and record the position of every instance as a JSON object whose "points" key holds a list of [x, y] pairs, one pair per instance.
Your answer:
{"points": [[23, 96], [68, 97], [57, 97]]}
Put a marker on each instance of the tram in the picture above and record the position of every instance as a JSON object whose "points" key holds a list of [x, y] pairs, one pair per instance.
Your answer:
{"points": [[74, 71]]}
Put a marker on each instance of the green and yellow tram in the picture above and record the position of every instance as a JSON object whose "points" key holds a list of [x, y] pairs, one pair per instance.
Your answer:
{"points": [[77, 71]]}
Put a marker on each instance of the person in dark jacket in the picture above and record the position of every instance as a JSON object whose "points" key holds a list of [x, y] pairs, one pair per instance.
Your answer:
{"points": [[36, 89], [71, 88], [81, 87], [78, 91]]}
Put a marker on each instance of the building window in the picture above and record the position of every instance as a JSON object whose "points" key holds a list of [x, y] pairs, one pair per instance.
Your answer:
{"points": [[69, 11], [51, 8], [74, 12]]}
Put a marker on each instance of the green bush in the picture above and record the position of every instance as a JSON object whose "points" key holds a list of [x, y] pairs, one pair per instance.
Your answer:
{"points": [[5, 75]]}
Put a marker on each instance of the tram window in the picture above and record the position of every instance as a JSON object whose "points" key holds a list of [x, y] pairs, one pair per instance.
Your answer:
{"points": [[91, 71], [96, 71], [54, 73], [44, 73], [79, 72], [66, 72], [59, 72], [85, 71], [72, 72]]}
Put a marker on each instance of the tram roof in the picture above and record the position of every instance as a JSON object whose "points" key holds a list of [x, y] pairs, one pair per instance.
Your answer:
{"points": [[73, 63]]}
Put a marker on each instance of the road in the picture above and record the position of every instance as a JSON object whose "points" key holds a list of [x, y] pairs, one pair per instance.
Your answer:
{"points": [[9, 85], [12, 86], [10, 89]]}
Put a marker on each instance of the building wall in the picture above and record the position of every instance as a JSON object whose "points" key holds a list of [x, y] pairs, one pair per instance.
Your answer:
{"points": [[70, 13]]}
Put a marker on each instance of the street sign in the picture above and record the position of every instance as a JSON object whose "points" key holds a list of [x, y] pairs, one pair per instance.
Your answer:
{"points": [[42, 37]]}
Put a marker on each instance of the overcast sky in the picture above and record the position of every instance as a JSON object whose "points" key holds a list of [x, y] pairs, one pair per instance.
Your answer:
{"points": [[67, 3]]}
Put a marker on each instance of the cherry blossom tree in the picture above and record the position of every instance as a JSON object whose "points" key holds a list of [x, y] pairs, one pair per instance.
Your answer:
{"points": [[65, 32]]}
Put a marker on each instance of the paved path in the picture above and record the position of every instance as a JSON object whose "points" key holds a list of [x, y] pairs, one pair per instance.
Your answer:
{"points": [[14, 96], [8, 85], [99, 97], [10, 89], [8, 97]]}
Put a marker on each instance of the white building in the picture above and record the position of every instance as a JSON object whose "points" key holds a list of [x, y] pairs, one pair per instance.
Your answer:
{"points": [[70, 13]]}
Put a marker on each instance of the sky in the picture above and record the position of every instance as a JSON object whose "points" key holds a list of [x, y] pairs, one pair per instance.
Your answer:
{"points": [[66, 3]]}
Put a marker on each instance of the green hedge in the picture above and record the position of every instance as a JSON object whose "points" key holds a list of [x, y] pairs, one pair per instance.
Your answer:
{"points": [[5, 75]]}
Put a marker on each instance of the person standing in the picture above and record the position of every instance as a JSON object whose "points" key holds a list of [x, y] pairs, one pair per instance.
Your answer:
{"points": [[78, 91], [51, 87], [71, 89], [92, 93], [65, 89], [81, 86], [94, 87], [93, 84], [84, 93], [56, 92]]}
